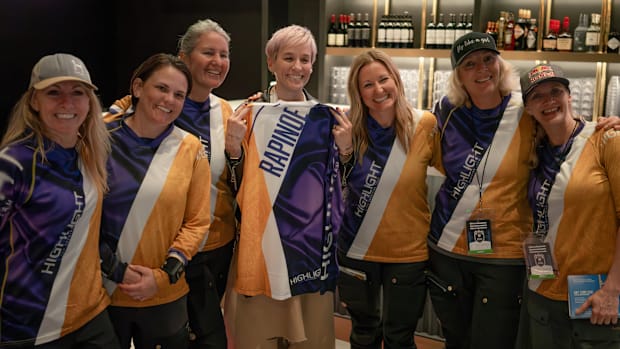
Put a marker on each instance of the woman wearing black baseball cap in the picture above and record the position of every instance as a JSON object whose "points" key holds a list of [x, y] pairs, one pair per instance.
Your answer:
{"points": [[485, 144], [486, 140]]}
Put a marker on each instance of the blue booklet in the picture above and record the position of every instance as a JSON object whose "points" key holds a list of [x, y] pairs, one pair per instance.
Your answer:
{"points": [[580, 287]]}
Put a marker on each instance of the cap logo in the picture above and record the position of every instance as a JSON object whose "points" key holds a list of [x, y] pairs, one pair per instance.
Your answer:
{"points": [[461, 47], [78, 68], [541, 72]]}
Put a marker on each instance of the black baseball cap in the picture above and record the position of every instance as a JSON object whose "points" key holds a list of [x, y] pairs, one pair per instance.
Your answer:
{"points": [[469, 43], [539, 74]]}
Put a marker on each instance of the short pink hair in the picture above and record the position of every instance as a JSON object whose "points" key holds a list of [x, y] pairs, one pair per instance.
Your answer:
{"points": [[293, 35]]}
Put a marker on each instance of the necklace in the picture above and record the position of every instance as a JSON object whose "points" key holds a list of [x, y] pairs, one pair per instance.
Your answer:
{"points": [[563, 151]]}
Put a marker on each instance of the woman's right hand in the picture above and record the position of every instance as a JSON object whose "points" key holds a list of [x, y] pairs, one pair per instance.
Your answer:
{"points": [[236, 127], [343, 132], [145, 289]]}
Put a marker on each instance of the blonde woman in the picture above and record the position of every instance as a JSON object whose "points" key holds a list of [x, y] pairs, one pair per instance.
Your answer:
{"points": [[382, 253], [53, 178]]}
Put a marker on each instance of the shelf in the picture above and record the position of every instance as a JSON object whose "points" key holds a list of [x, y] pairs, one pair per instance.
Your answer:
{"points": [[392, 52], [508, 55]]}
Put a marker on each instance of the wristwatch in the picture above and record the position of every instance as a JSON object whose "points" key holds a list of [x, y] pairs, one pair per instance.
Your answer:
{"points": [[174, 268]]}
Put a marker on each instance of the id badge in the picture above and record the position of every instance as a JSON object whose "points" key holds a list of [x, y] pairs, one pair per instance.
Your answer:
{"points": [[479, 235], [539, 261]]}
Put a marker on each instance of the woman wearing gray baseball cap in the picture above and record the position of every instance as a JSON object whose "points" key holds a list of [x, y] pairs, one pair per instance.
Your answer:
{"points": [[481, 213], [571, 160], [52, 182]]}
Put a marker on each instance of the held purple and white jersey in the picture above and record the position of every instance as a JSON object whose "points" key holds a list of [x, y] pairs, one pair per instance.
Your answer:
{"points": [[158, 203], [485, 158], [49, 232], [290, 201]]}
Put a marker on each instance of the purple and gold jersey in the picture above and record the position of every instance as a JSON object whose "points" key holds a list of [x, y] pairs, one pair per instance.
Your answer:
{"points": [[49, 232], [386, 215], [158, 203], [207, 121], [485, 158], [290, 201], [582, 233]]}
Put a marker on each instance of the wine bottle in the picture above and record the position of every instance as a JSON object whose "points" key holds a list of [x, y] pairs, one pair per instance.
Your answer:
{"points": [[366, 31], [339, 32], [331, 32], [450, 31], [381, 34], [359, 40], [440, 33], [460, 27], [404, 30], [550, 41], [351, 38], [565, 39], [469, 26], [396, 31], [431, 37]]}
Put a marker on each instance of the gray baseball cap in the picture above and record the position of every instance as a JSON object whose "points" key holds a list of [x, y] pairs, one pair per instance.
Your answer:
{"points": [[59, 67], [539, 74]]}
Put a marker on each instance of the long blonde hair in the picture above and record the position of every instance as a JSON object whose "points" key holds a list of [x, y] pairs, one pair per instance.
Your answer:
{"points": [[508, 82], [93, 144], [539, 134], [358, 112]]}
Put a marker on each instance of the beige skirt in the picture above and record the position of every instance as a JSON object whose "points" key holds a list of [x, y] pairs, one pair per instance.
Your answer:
{"points": [[260, 322]]}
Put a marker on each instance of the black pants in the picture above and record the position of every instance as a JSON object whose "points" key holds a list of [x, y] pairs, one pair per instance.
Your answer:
{"points": [[206, 276], [478, 304], [545, 324], [386, 306], [98, 333], [162, 326]]}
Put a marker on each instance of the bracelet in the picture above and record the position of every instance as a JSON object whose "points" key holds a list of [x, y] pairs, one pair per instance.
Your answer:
{"points": [[234, 162]]}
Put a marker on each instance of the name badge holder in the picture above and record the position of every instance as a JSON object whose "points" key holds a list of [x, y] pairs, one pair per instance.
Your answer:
{"points": [[539, 261], [479, 234]]}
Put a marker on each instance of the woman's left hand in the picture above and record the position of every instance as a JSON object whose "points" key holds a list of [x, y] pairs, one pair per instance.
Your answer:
{"points": [[604, 305], [145, 288]]}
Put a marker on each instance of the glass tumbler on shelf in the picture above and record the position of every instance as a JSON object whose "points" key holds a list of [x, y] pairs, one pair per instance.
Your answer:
{"points": [[612, 100], [575, 93]]}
